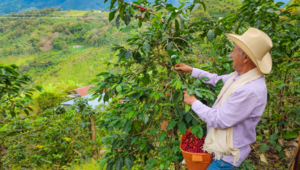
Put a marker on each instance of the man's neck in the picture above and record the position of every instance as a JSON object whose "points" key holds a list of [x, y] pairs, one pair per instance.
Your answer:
{"points": [[245, 69]]}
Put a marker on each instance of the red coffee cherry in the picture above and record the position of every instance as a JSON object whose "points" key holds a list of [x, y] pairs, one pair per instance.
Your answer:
{"points": [[138, 6]]}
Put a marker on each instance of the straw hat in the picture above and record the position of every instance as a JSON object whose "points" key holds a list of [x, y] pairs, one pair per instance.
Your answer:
{"points": [[256, 44]]}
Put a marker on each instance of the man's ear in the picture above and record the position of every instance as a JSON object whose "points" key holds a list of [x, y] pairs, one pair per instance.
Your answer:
{"points": [[247, 58]]}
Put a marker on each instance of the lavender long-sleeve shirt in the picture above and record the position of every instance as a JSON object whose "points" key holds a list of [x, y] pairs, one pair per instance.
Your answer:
{"points": [[242, 111]]}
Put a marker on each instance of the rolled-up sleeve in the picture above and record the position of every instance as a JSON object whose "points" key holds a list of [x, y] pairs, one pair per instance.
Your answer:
{"points": [[233, 111], [213, 78]]}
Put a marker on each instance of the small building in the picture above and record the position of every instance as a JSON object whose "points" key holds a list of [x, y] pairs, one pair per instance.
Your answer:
{"points": [[83, 92], [97, 11], [92, 103], [77, 46]]}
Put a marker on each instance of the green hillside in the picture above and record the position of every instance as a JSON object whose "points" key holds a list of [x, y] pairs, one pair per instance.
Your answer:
{"points": [[41, 41], [45, 48]]}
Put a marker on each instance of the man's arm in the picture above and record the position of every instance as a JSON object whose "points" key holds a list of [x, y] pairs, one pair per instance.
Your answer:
{"points": [[237, 109], [213, 78]]}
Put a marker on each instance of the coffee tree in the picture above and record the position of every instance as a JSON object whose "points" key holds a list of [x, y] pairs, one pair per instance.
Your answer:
{"points": [[149, 87], [151, 91]]}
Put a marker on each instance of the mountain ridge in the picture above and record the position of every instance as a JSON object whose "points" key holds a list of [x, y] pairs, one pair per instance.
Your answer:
{"points": [[8, 6]]}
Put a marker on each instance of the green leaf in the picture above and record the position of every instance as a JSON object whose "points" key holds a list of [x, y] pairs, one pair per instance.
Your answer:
{"points": [[271, 10], [112, 15], [140, 23], [171, 125], [226, 66], [152, 132], [119, 163], [265, 147], [290, 135], [115, 143], [143, 146], [187, 107], [274, 137], [211, 35], [281, 154], [146, 47], [128, 163], [171, 8], [298, 110], [146, 118], [278, 148], [176, 25], [127, 18], [257, 23], [195, 129], [280, 86], [170, 45], [177, 96], [112, 2], [121, 11], [127, 126], [173, 15], [128, 55], [178, 111], [158, 14], [150, 166], [182, 127], [119, 88], [178, 83], [137, 126], [161, 137], [200, 132], [273, 143], [109, 166], [188, 117], [118, 21]]}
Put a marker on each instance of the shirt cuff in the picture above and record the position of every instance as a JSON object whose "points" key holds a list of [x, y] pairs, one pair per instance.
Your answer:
{"points": [[196, 105], [195, 72]]}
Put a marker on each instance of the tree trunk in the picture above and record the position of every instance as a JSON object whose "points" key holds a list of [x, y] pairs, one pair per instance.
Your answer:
{"points": [[296, 164], [93, 137]]}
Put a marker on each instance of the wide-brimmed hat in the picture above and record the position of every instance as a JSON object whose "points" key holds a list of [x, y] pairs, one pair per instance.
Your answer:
{"points": [[256, 44]]}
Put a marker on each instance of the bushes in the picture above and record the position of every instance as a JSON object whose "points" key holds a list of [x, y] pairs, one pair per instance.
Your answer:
{"points": [[49, 140], [59, 43]]}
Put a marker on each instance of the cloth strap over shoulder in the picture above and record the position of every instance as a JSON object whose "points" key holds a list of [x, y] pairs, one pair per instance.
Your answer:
{"points": [[220, 141]]}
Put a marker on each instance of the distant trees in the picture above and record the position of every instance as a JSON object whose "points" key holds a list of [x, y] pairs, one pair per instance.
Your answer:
{"points": [[59, 43]]}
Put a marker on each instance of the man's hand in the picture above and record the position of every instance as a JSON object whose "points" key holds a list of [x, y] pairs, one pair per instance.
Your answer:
{"points": [[183, 67], [189, 99]]}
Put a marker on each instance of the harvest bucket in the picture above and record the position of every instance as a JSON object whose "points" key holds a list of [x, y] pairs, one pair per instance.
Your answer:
{"points": [[195, 161]]}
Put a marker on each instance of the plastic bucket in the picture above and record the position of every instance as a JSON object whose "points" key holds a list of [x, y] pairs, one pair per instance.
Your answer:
{"points": [[195, 161]]}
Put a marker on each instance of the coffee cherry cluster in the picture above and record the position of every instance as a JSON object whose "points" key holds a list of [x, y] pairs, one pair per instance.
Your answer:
{"points": [[142, 9], [192, 144]]}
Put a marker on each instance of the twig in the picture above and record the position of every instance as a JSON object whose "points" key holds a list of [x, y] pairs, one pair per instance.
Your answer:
{"points": [[194, 117]]}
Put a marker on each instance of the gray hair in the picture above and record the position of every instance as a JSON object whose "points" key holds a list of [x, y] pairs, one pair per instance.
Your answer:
{"points": [[242, 52]]}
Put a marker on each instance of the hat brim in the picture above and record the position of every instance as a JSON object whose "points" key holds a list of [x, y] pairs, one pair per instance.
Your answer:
{"points": [[265, 65]]}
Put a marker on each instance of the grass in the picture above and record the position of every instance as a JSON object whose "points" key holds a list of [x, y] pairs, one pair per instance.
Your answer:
{"points": [[17, 60], [75, 13], [89, 165], [79, 65]]}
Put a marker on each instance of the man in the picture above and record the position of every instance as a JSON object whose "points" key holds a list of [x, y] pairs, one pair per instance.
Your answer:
{"points": [[231, 122]]}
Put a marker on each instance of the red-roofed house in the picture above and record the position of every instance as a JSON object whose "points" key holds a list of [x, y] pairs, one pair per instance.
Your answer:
{"points": [[80, 92]]}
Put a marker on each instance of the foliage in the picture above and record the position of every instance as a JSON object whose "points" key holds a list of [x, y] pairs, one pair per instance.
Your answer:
{"points": [[12, 100], [52, 139], [149, 59], [151, 89]]}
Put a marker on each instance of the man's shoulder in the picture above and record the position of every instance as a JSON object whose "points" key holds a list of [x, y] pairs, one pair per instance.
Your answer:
{"points": [[257, 87]]}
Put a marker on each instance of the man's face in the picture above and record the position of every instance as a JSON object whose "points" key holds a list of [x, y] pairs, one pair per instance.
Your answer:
{"points": [[238, 60]]}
